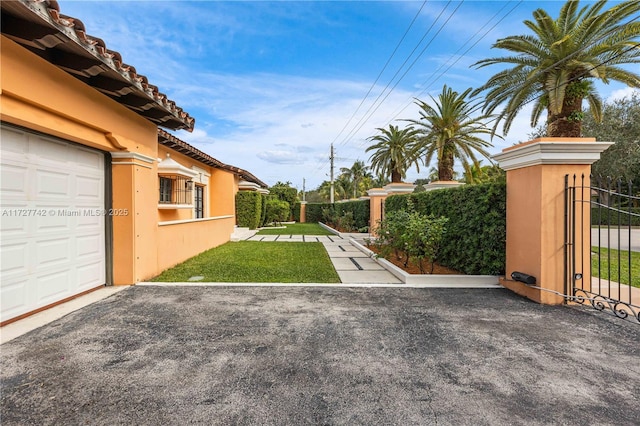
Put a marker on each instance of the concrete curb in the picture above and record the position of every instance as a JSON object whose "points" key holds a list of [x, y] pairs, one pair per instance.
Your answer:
{"points": [[433, 281]]}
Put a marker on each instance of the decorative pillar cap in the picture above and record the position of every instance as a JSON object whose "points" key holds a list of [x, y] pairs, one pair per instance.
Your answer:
{"points": [[377, 192], [442, 184], [399, 188], [544, 151]]}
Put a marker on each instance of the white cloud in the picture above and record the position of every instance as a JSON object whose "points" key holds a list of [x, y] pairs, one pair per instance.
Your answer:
{"points": [[626, 92]]}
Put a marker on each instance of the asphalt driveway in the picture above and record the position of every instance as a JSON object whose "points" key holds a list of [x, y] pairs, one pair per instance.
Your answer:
{"points": [[310, 355]]}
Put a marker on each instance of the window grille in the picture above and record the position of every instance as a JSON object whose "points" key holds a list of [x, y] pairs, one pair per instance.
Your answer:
{"points": [[175, 190], [199, 202]]}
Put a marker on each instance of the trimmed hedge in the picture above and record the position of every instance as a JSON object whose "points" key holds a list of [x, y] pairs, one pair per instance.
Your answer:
{"points": [[359, 209], [475, 238], [248, 209], [285, 193], [263, 213], [314, 212], [606, 216]]}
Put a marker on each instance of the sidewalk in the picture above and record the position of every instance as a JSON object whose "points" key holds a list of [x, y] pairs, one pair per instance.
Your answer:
{"points": [[352, 265]]}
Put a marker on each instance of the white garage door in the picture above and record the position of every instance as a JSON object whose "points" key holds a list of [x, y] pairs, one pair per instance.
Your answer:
{"points": [[52, 222]]}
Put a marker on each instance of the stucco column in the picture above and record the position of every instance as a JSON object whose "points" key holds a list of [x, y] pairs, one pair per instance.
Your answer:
{"points": [[303, 211], [136, 222], [535, 210], [376, 206], [376, 201]]}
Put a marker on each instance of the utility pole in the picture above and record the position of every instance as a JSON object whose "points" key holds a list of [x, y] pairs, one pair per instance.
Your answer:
{"points": [[303, 190], [332, 186]]}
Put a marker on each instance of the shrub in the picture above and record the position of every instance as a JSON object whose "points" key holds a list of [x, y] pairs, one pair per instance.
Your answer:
{"points": [[285, 193], [277, 210], [297, 208], [604, 216], [474, 241], [263, 210], [248, 209], [354, 214], [423, 237]]}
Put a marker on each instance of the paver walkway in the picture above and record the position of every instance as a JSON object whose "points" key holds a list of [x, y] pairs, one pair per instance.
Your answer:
{"points": [[352, 265]]}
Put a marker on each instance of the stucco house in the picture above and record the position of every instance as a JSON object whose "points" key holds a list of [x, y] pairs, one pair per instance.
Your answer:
{"points": [[92, 192]]}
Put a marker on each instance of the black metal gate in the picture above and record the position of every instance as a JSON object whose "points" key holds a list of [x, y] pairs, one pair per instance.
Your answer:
{"points": [[602, 239]]}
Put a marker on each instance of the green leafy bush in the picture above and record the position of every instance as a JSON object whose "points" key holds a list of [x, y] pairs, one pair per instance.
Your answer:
{"points": [[248, 209], [354, 214], [296, 212], [263, 210], [605, 216], [277, 210], [474, 241], [411, 235], [285, 193]]}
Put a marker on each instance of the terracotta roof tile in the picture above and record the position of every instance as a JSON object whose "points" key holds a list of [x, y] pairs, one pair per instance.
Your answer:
{"points": [[39, 26], [170, 141]]}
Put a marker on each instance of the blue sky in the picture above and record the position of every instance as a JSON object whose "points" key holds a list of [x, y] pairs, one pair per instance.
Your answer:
{"points": [[272, 84]]}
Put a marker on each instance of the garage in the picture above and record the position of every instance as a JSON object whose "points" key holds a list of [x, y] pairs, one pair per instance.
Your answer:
{"points": [[52, 222]]}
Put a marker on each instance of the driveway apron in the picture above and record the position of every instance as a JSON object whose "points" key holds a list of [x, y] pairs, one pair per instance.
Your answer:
{"points": [[152, 355]]}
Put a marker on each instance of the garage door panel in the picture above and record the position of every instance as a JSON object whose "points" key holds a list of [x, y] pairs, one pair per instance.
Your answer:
{"points": [[49, 151], [12, 224], [90, 275], [90, 220], [89, 160], [15, 259], [53, 252], [53, 287], [54, 221], [57, 249], [89, 245], [13, 180], [13, 297], [51, 184], [15, 142], [89, 188]]}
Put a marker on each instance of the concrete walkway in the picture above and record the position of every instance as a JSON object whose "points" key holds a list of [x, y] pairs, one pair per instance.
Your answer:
{"points": [[352, 265]]}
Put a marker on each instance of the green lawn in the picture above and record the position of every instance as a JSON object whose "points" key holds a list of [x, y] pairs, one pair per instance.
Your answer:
{"points": [[624, 262], [297, 229], [260, 262]]}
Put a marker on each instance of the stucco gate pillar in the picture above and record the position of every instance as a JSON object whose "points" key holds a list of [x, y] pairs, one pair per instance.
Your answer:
{"points": [[376, 201], [535, 211], [303, 211]]}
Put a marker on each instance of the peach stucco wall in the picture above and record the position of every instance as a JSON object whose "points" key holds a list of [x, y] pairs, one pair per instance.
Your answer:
{"points": [[535, 229], [37, 95], [181, 241]]}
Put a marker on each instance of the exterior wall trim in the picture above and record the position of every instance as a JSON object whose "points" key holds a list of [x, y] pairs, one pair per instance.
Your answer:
{"points": [[205, 219], [132, 156], [544, 153]]}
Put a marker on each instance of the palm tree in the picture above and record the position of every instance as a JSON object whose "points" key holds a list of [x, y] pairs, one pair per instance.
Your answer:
{"points": [[556, 65], [449, 131], [393, 152], [355, 175]]}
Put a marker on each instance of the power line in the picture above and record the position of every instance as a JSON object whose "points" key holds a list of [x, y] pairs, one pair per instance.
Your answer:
{"points": [[363, 121], [433, 80], [381, 71], [322, 165]]}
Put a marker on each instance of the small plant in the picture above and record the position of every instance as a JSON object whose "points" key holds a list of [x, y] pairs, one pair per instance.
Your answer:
{"points": [[346, 223], [423, 237], [410, 235]]}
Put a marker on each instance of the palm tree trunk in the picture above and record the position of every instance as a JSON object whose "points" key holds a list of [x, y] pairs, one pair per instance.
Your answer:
{"points": [[396, 176], [568, 123], [445, 166]]}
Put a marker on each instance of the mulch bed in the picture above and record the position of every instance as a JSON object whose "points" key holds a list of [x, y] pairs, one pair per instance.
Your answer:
{"points": [[412, 268]]}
